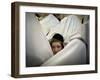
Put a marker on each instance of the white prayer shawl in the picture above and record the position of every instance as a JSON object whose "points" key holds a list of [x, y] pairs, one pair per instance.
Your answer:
{"points": [[72, 27], [48, 22], [68, 27], [75, 51], [85, 31], [59, 28], [38, 49]]}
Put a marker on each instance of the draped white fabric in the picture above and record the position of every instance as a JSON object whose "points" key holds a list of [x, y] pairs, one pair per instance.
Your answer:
{"points": [[73, 53], [48, 22], [85, 31], [68, 27], [72, 27], [38, 49]]}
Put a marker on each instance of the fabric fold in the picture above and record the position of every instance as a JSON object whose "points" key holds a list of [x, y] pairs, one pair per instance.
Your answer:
{"points": [[38, 49]]}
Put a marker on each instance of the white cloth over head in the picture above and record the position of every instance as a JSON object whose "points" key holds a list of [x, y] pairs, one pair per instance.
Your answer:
{"points": [[38, 49], [68, 27]]}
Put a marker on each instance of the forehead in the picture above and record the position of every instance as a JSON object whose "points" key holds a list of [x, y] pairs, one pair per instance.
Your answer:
{"points": [[56, 43]]}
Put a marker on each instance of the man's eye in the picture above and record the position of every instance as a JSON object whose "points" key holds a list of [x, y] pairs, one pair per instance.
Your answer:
{"points": [[58, 46]]}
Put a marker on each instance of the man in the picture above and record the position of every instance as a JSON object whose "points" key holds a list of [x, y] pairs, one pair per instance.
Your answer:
{"points": [[57, 43]]}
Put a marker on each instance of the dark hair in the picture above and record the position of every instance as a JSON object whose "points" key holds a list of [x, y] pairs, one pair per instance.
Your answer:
{"points": [[57, 38]]}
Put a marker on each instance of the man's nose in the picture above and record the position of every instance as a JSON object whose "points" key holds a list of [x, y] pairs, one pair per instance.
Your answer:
{"points": [[56, 49]]}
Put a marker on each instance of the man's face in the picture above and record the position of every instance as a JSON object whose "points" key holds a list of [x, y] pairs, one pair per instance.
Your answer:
{"points": [[56, 47]]}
